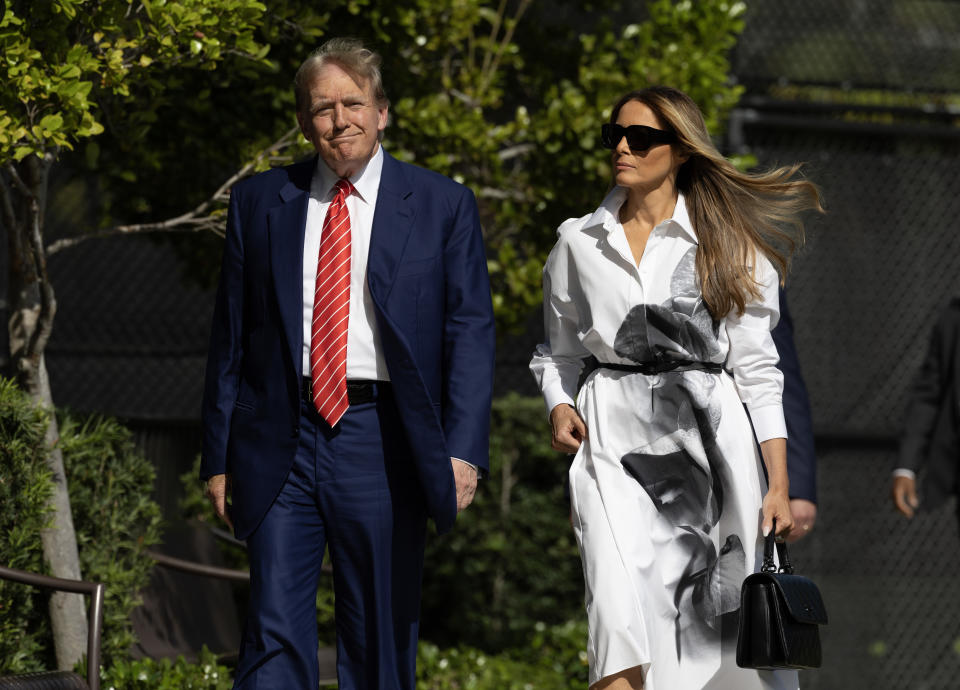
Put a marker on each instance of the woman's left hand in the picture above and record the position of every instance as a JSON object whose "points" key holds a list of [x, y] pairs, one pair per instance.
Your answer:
{"points": [[776, 504]]}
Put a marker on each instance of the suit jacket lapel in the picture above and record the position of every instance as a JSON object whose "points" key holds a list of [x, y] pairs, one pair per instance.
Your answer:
{"points": [[392, 223], [286, 226]]}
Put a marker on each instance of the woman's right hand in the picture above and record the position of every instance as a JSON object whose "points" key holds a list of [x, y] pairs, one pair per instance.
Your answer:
{"points": [[568, 429]]}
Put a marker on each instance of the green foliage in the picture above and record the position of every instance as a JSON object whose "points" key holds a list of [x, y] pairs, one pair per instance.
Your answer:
{"points": [[164, 674], [25, 488], [511, 562], [65, 55], [506, 97], [554, 659], [115, 518]]}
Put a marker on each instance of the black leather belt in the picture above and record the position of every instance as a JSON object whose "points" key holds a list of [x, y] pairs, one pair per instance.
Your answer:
{"points": [[358, 390], [660, 366]]}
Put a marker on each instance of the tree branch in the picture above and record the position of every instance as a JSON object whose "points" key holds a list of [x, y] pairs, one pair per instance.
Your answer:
{"points": [[48, 304], [18, 181], [16, 253], [196, 220], [501, 194], [460, 95], [494, 30], [9, 215], [491, 69], [514, 151]]}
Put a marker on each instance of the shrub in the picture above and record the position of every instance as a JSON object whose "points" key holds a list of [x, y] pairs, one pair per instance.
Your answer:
{"points": [[114, 518], [511, 561], [164, 674], [25, 487], [553, 659]]}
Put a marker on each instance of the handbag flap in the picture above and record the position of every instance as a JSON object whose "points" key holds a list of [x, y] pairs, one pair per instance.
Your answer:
{"points": [[802, 598]]}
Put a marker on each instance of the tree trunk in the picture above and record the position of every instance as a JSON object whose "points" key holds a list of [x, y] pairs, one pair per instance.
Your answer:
{"points": [[68, 615], [23, 190]]}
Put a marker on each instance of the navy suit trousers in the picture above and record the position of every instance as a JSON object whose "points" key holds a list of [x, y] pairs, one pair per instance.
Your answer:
{"points": [[352, 488]]}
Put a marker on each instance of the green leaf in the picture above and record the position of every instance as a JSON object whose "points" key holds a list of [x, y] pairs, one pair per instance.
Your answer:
{"points": [[51, 123]]}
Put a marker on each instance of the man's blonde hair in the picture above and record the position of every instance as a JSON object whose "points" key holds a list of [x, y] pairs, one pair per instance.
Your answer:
{"points": [[350, 55]]}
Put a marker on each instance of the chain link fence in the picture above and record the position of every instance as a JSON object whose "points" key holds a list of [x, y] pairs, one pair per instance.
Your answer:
{"points": [[864, 293]]}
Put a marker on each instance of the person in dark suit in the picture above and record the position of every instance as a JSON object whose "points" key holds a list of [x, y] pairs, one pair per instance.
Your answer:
{"points": [[348, 384], [801, 455], [929, 437]]}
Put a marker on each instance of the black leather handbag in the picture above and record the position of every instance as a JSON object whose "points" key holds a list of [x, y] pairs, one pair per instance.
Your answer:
{"points": [[779, 616]]}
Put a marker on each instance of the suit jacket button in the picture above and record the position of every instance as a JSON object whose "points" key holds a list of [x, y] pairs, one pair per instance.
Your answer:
{"points": [[294, 432]]}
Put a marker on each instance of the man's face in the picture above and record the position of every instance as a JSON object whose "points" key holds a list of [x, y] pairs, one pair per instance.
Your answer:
{"points": [[342, 120]]}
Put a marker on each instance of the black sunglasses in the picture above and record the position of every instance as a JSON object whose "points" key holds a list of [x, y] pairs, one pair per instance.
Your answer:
{"points": [[639, 137]]}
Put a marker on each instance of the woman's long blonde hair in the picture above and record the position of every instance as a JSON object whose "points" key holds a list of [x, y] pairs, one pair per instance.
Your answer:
{"points": [[733, 213]]}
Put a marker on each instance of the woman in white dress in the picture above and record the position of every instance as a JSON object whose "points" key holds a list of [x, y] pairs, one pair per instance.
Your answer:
{"points": [[670, 287]]}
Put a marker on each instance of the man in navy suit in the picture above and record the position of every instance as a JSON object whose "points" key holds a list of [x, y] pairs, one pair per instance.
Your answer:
{"points": [[930, 438], [411, 384], [801, 455]]}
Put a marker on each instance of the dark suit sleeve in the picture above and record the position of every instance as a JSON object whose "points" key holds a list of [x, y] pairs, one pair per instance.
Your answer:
{"points": [[468, 338], [801, 455], [923, 407], [225, 353]]}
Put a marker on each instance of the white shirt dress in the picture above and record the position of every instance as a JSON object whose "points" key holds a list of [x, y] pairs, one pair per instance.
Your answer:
{"points": [[666, 489]]}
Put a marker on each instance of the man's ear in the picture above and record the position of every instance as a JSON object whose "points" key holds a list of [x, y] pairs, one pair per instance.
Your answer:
{"points": [[382, 117]]}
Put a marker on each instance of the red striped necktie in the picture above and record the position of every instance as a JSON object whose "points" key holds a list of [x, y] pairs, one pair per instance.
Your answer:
{"points": [[331, 310]]}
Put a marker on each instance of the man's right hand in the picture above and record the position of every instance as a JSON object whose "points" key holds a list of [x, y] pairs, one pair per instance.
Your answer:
{"points": [[904, 493], [218, 487], [568, 429]]}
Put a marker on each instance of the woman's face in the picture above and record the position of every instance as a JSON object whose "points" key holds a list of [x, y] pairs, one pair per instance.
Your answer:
{"points": [[649, 170]]}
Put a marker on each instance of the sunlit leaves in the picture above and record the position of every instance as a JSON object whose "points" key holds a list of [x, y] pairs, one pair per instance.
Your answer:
{"points": [[490, 95], [58, 55]]}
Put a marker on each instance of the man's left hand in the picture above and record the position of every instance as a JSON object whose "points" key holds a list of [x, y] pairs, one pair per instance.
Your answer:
{"points": [[465, 477], [804, 516]]}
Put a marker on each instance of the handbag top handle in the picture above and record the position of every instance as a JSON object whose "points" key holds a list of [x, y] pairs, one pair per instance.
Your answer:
{"points": [[768, 565]]}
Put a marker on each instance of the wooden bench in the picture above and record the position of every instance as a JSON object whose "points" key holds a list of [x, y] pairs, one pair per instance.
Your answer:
{"points": [[62, 680]]}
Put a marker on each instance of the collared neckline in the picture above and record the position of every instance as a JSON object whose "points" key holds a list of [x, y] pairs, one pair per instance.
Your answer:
{"points": [[607, 215], [365, 181]]}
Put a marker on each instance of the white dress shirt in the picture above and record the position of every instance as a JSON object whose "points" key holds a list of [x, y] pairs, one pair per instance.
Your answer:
{"points": [[364, 350], [591, 281]]}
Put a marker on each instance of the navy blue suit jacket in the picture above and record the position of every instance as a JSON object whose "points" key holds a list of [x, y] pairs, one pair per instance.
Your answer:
{"points": [[801, 456], [428, 279], [931, 429]]}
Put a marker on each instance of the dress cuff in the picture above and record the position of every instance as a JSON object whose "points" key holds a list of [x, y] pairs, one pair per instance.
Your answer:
{"points": [[555, 395], [904, 472], [768, 422]]}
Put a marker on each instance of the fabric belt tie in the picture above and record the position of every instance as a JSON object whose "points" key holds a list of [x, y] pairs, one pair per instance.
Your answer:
{"points": [[358, 390], [660, 366]]}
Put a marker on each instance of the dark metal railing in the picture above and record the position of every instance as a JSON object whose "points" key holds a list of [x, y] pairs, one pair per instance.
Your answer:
{"points": [[95, 623]]}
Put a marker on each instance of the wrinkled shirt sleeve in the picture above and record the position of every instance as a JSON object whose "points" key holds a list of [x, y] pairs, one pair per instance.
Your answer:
{"points": [[557, 363], [753, 357]]}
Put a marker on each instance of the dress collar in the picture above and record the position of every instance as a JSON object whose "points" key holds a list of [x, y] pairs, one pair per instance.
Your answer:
{"points": [[607, 215]]}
